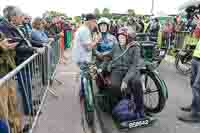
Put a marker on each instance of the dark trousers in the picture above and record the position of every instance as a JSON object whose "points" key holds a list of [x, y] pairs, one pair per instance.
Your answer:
{"points": [[134, 85], [195, 84]]}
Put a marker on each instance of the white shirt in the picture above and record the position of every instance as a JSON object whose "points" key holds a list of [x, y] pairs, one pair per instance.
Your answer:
{"points": [[80, 51]]}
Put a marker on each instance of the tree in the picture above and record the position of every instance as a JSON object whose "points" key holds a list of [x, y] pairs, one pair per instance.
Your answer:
{"points": [[124, 18], [97, 13], [116, 17], [131, 12], [54, 14], [106, 13], [69, 18], [77, 19]]}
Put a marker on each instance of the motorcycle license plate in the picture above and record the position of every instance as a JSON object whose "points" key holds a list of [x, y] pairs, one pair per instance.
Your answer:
{"points": [[139, 123], [162, 53]]}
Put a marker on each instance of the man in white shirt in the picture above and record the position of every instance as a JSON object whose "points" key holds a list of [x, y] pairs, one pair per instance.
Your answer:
{"points": [[83, 41]]}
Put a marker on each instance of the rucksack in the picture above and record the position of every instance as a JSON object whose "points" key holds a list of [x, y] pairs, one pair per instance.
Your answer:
{"points": [[125, 110]]}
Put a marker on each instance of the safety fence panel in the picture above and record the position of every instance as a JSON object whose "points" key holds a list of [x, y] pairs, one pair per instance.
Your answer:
{"points": [[179, 39], [23, 91], [53, 57]]}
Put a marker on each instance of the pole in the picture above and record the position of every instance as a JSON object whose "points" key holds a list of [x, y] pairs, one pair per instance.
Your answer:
{"points": [[152, 7]]}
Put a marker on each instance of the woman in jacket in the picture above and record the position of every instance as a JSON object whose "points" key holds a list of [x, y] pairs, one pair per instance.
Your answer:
{"points": [[124, 71], [38, 33]]}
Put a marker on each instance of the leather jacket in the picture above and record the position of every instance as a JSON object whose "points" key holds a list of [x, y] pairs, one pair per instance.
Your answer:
{"points": [[24, 49]]}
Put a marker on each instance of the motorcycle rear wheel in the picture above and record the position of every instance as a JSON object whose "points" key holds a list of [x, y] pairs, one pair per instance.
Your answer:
{"points": [[180, 64], [149, 77]]}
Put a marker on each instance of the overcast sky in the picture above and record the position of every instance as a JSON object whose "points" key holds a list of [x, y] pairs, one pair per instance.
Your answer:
{"points": [[76, 7]]}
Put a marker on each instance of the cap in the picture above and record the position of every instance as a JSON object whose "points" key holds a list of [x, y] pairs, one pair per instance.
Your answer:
{"points": [[89, 17]]}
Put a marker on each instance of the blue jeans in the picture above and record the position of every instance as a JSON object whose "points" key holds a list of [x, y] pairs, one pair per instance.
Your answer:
{"points": [[195, 84], [25, 89]]}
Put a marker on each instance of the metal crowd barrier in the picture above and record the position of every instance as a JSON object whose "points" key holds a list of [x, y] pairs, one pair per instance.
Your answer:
{"points": [[23, 91], [179, 40]]}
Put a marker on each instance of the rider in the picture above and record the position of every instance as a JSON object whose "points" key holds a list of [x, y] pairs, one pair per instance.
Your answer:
{"points": [[107, 40], [125, 73]]}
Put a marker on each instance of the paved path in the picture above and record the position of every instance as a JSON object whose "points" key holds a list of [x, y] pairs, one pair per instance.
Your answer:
{"points": [[62, 115]]}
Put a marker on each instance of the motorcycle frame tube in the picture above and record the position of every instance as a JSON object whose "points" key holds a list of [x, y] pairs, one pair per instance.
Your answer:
{"points": [[162, 83], [88, 94]]}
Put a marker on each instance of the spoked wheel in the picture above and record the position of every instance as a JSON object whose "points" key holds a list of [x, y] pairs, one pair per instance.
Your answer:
{"points": [[90, 120], [154, 100], [183, 64]]}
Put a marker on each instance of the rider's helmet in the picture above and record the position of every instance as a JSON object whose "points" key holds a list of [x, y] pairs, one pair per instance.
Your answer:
{"points": [[129, 34], [104, 20], [123, 31]]}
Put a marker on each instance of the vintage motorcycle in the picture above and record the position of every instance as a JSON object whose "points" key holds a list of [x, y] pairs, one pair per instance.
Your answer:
{"points": [[97, 99]]}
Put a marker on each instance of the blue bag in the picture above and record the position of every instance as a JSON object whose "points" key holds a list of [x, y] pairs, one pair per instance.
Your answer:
{"points": [[125, 110]]}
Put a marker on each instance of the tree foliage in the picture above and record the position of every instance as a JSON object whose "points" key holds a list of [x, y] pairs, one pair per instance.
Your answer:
{"points": [[53, 14], [77, 19], [124, 18], [106, 13], [97, 13], [116, 17], [131, 12]]}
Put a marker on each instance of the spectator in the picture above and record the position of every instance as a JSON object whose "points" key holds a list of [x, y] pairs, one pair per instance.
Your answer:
{"points": [[38, 33], [26, 26], [132, 25], [10, 27], [190, 25], [192, 112], [113, 28], [62, 47], [8, 104], [179, 26], [47, 27], [168, 30], [140, 21], [196, 32]]}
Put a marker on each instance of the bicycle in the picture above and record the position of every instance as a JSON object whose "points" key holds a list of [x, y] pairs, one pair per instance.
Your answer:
{"points": [[102, 100], [183, 59]]}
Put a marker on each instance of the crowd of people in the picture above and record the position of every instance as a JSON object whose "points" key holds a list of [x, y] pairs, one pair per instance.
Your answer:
{"points": [[166, 31], [20, 38]]}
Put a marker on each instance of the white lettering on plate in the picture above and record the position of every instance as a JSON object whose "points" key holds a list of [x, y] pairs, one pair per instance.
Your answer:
{"points": [[138, 124]]}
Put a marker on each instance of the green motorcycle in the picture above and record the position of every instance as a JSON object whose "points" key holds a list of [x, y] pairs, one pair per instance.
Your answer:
{"points": [[97, 99]]}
